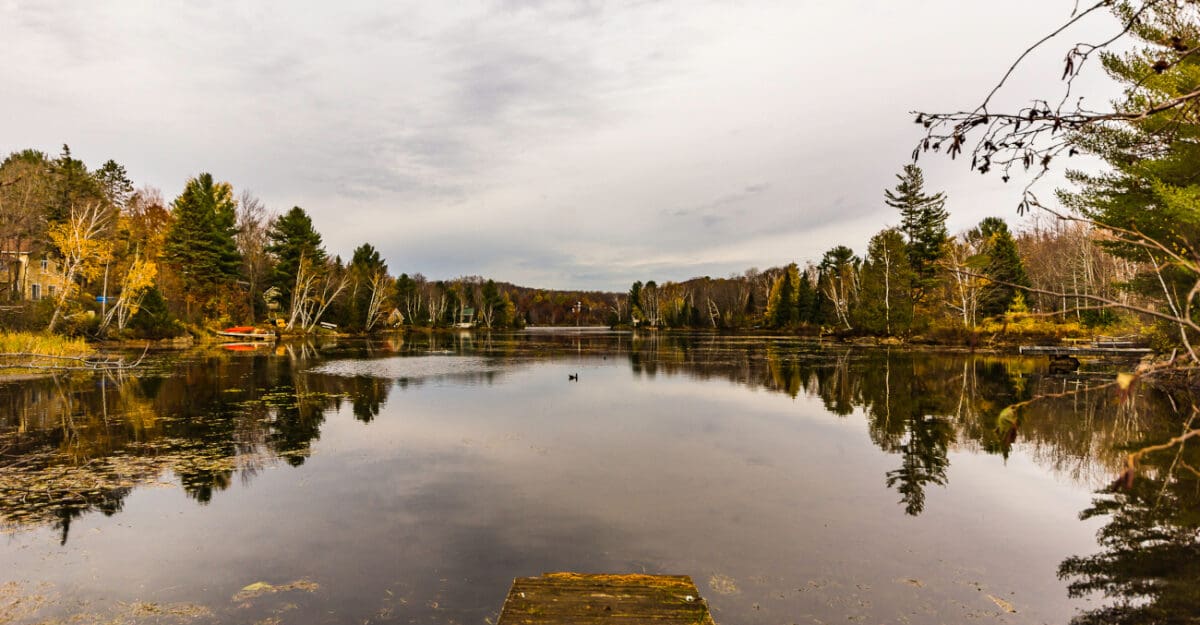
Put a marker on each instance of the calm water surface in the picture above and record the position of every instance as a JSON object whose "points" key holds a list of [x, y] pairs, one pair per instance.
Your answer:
{"points": [[409, 481]]}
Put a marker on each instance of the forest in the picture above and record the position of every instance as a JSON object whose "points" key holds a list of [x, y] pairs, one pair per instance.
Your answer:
{"points": [[86, 253]]}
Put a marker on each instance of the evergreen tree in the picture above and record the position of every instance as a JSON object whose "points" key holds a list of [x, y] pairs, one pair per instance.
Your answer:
{"points": [[781, 302], [114, 183], [290, 238], [635, 301], [923, 221], [73, 185], [1004, 265], [454, 301], [886, 293], [366, 259], [1152, 186], [506, 313], [494, 306], [838, 285], [200, 244], [806, 298], [153, 319], [408, 298], [366, 267]]}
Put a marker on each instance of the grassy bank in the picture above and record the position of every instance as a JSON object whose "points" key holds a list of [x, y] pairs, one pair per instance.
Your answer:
{"points": [[24, 353], [42, 344]]}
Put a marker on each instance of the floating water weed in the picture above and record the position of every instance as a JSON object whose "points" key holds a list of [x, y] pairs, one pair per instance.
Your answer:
{"points": [[258, 589]]}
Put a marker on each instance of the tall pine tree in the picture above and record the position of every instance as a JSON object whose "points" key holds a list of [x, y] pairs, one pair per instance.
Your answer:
{"points": [[1004, 266], [806, 298], [885, 302], [923, 221], [290, 238], [1152, 185], [73, 186], [782, 301], [200, 245]]}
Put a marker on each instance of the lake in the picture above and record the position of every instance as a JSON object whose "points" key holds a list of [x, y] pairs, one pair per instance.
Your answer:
{"points": [[410, 480]]}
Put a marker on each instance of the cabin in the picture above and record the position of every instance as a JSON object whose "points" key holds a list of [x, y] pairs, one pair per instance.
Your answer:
{"points": [[28, 278], [466, 317]]}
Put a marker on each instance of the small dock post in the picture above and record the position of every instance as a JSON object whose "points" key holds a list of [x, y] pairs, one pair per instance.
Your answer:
{"points": [[574, 598]]}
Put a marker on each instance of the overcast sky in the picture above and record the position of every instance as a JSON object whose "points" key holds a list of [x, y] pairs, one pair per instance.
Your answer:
{"points": [[554, 143]]}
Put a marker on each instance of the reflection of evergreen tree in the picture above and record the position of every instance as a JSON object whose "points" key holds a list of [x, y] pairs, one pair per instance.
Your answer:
{"points": [[644, 357], [786, 373], [200, 484], [924, 461], [206, 417], [296, 424], [907, 404], [839, 386], [916, 406], [1150, 562], [108, 503], [368, 396], [888, 400]]}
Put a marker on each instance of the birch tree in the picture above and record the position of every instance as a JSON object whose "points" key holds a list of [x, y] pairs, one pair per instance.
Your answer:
{"points": [[651, 301], [839, 282], [84, 250], [379, 285], [134, 285], [886, 305], [962, 280], [317, 286]]}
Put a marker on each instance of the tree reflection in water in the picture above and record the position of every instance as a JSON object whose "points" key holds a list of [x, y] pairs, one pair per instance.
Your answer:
{"points": [[1149, 563], [211, 417], [917, 404], [203, 419]]}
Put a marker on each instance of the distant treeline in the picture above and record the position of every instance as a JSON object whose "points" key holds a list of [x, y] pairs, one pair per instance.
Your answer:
{"points": [[914, 278], [84, 252]]}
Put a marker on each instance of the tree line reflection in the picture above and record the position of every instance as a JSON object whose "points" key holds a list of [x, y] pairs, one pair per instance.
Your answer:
{"points": [[921, 406], [73, 445]]}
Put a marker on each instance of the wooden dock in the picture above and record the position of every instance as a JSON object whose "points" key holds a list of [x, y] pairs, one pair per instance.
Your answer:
{"points": [[1089, 351], [574, 598]]}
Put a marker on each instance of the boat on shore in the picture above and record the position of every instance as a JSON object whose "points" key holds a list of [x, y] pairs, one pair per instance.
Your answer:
{"points": [[245, 333]]}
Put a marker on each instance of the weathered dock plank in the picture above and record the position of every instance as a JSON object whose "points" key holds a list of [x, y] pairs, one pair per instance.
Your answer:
{"points": [[561, 598], [1113, 352]]}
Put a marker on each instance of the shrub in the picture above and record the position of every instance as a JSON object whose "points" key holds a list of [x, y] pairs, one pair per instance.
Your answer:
{"points": [[154, 320]]}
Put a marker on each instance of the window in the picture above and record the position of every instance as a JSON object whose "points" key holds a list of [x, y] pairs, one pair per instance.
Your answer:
{"points": [[50, 290], [35, 291], [45, 264]]}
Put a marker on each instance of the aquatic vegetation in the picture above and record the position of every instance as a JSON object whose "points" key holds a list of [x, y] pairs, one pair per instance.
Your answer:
{"points": [[17, 602], [722, 584], [43, 489], [258, 589], [45, 605]]}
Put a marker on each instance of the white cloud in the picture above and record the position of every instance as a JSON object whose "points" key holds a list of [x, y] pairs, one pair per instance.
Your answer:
{"points": [[561, 144]]}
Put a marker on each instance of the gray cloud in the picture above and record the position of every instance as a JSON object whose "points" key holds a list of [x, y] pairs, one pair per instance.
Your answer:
{"points": [[713, 212], [563, 144]]}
